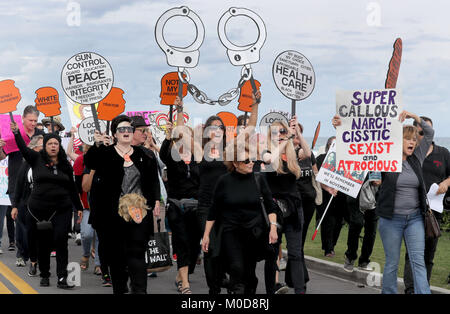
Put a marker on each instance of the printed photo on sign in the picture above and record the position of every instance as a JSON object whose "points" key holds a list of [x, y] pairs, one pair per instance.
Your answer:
{"points": [[345, 181], [87, 78], [370, 137]]}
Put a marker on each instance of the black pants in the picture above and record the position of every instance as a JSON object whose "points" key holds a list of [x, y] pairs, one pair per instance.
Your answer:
{"points": [[430, 250], [333, 221], [309, 208], [47, 239], [137, 271], [214, 266], [358, 220], [22, 235], [186, 236], [10, 226], [238, 250], [102, 236], [295, 269]]}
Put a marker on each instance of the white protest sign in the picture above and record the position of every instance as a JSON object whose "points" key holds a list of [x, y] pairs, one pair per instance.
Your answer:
{"points": [[293, 75], [270, 118], [87, 78], [370, 136], [86, 130], [347, 182], [4, 198]]}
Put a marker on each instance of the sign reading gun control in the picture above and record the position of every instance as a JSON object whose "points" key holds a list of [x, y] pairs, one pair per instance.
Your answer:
{"points": [[293, 75], [86, 130], [87, 78]]}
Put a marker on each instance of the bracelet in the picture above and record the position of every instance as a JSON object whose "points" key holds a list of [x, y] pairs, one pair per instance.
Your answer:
{"points": [[273, 223]]}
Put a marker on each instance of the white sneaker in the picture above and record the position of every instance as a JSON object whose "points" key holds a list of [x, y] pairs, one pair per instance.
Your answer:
{"points": [[282, 264], [1, 252], [78, 239], [20, 262]]}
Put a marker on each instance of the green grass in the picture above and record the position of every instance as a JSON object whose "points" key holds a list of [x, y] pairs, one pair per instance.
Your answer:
{"points": [[441, 268]]}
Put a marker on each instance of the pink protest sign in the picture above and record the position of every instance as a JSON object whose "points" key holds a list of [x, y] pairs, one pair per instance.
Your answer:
{"points": [[8, 136], [144, 114]]}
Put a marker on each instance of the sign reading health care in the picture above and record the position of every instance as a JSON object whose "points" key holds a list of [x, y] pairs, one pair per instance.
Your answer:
{"points": [[370, 136]]}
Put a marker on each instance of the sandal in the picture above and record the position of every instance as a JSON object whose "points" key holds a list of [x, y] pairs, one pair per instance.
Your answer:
{"points": [[84, 263], [97, 270], [186, 290], [179, 285]]}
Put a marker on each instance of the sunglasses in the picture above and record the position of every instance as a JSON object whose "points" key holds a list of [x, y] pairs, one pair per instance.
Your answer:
{"points": [[247, 161], [421, 133], [215, 127], [125, 129], [142, 130]]}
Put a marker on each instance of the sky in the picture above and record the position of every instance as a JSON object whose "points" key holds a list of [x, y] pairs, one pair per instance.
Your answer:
{"points": [[348, 42]]}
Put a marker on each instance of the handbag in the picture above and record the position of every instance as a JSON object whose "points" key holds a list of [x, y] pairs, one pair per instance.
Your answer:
{"points": [[43, 225], [432, 229], [157, 255], [316, 185], [186, 205]]}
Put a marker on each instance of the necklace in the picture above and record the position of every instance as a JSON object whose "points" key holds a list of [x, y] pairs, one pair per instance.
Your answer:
{"points": [[125, 155]]}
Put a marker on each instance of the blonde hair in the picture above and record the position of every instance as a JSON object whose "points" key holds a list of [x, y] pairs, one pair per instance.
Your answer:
{"points": [[410, 132], [291, 156], [132, 200]]}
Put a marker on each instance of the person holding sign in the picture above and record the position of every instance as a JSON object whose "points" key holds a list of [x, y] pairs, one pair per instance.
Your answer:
{"points": [[121, 170], [401, 206], [282, 182], [183, 182], [50, 203]]}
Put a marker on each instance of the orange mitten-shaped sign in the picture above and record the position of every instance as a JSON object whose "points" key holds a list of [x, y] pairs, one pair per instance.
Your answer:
{"points": [[169, 88], [112, 105], [230, 121], [47, 101], [9, 96], [245, 99]]}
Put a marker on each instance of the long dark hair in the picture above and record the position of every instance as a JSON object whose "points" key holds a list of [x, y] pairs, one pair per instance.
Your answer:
{"points": [[63, 162], [208, 123]]}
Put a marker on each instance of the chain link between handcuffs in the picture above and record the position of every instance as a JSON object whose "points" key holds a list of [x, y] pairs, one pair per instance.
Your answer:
{"points": [[201, 97]]}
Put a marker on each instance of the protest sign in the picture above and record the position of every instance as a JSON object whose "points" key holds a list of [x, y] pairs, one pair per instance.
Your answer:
{"points": [[4, 198], [169, 88], [87, 78], [245, 98], [47, 101], [394, 65], [8, 136], [345, 181], [229, 120], [294, 76], [370, 136], [78, 112], [272, 117], [112, 105], [87, 128], [9, 97]]}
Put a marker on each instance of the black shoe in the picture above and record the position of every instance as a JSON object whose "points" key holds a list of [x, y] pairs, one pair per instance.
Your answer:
{"points": [[33, 270], [62, 283], [281, 288], [107, 281], [11, 246], [45, 282]]}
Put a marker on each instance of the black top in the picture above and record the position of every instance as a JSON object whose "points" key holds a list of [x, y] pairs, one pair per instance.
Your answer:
{"points": [[107, 184], [54, 189], [23, 189], [209, 172], [14, 163], [183, 179], [236, 200], [304, 183], [283, 184]]}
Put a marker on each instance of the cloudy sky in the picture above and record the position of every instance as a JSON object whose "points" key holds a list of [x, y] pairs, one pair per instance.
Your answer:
{"points": [[349, 43]]}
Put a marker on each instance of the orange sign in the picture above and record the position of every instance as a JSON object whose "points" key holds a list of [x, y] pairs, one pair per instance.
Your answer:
{"points": [[47, 101], [230, 121], [9, 96], [246, 100], [112, 105], [169, 88], [394, 65]]}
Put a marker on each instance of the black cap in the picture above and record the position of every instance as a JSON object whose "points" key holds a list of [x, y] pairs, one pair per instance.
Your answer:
{"points": [[138, 121]]}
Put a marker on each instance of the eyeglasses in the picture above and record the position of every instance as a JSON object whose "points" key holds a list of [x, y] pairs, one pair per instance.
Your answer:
{"points": [[421, 133], [283, 131], [215, 127], [142, 130], [125, 129], [247, 161]]}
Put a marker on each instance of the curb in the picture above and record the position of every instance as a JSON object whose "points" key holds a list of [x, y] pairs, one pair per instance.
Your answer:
{"points": [[360, 277]]}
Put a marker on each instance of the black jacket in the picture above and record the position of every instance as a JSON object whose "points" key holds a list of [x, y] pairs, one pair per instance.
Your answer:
{"points": [[386, 194], [108, 166]]}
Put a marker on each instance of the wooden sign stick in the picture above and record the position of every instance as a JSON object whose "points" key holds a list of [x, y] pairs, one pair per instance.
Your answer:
{"points": [[53, 125], [94, 114]]}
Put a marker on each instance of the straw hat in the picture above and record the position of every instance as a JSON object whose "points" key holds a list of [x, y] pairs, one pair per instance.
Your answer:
{"points": [[56, 122]]}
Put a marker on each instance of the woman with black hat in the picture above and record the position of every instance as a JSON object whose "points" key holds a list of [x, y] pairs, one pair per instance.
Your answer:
{"points": [[50, 203]]}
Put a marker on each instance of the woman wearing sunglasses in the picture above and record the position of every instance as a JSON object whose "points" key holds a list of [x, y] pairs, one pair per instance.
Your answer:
{"points": [[123, 169], [282, 182], [183, 181], [236, 205]]}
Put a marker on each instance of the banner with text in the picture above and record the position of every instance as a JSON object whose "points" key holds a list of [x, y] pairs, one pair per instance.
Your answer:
{"points": [[345, 181], [370, 136]]}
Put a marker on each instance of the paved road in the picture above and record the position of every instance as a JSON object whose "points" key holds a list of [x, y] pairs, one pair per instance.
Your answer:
{"points": [[15, 279]]}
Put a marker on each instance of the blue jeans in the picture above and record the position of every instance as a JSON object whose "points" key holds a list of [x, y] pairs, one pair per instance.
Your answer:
{"points": [[392, 231], [87, 235]]}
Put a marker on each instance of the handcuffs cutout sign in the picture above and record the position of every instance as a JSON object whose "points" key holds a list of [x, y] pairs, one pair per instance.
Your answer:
{"points": [[188, 57]]}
